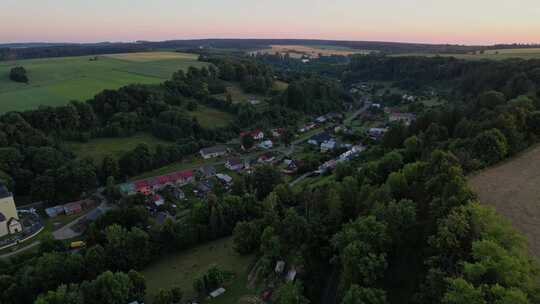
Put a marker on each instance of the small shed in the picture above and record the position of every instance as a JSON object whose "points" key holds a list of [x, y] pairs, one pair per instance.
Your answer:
{"points": [[216, 293]]}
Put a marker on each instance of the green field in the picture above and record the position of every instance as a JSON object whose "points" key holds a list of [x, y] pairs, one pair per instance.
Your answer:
{"points": [[56, 81], [97, 148], [182, 268], [502, 54], [211, 118]]}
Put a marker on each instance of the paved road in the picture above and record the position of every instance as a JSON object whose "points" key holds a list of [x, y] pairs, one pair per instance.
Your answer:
{"points": [[32, 245]]}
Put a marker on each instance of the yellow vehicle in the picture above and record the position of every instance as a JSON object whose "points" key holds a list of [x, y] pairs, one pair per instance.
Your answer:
{"points": [[77, 245]]}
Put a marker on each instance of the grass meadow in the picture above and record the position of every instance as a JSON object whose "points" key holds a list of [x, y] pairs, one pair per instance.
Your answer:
{"points": [[56, 81], [180, 269], [512, 188], [98, 148]]}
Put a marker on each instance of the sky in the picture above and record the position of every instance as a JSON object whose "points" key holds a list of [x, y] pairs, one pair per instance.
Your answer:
{"points": [[427, 21]]}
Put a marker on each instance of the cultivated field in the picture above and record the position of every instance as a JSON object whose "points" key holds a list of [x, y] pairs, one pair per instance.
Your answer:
{"points": [[182, 268], [298, 51], [56, 81], [533, 53], [98, 148], [513, 189]]}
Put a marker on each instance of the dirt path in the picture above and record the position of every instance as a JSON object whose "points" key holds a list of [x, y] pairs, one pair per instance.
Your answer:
{"points": [[513, 189]]}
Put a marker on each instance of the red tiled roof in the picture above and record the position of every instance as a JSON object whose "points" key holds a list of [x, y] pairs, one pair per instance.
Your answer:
{"points": [[141, 184]]}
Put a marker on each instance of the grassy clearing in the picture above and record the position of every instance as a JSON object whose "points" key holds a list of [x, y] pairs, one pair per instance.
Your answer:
{"points": [[512, 188], [182, 268], [56, 81], [532, 53], [98, 148], [212, 118]]}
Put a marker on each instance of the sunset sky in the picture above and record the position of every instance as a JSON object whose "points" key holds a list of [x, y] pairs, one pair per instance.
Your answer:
{"points": [[431, 21]]}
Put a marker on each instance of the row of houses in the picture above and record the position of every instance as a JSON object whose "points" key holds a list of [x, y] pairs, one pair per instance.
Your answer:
{"points": [[69, 208], [149, 185], [344, 157]]}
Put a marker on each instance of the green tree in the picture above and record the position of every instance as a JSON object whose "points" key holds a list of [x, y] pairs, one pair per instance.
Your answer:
{"points": [[290, 293], [361, 295]]}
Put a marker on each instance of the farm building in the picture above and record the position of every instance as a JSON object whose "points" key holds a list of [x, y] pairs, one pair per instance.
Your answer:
{"points": [[234, 164], [213, 152]]}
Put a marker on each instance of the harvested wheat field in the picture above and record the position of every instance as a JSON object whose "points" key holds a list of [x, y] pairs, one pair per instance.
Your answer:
{"points": [[513, 189]]}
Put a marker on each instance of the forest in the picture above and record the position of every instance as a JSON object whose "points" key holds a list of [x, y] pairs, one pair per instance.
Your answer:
{"points": [[396, 225]]}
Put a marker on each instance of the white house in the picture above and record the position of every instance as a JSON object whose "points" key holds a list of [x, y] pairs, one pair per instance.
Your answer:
{"points": [[328, 145], [267, 144], [212, 152]]}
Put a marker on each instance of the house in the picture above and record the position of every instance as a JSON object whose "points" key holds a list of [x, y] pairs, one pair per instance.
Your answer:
{"points": [[291, 275], [256, 134], [254, 102], [276, 133], [207, 171], [328, 145], [267, 144], [376, 105], [318, 139], [216, 293], [307, 127], [266, 159], [213, 152], [280, 266], [73, 208], [203, 188], [328, 166], [320, 119], [355, 150], [290, 166], [305, 60], [54, 211], [234, 164], [226, 179], [406, 118], [377, 133]]}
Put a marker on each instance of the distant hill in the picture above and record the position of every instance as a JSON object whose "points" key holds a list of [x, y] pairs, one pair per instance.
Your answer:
{"points": [[15, 51]]}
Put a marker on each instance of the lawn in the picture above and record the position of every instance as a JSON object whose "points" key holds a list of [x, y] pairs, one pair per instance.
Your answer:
{"points": [[502, 54], [180, 269], [56, 81], [98, 148], [211, 118], [513, 189]]}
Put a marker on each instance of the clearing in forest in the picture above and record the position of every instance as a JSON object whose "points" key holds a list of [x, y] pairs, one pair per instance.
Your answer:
{"points": [[513, 189]]}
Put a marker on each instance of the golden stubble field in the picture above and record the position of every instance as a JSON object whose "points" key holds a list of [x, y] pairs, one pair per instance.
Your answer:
{"points": [[513, 189]]}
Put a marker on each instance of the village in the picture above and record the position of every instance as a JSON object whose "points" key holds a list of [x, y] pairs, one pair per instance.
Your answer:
{"points": [[302, 156]]}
